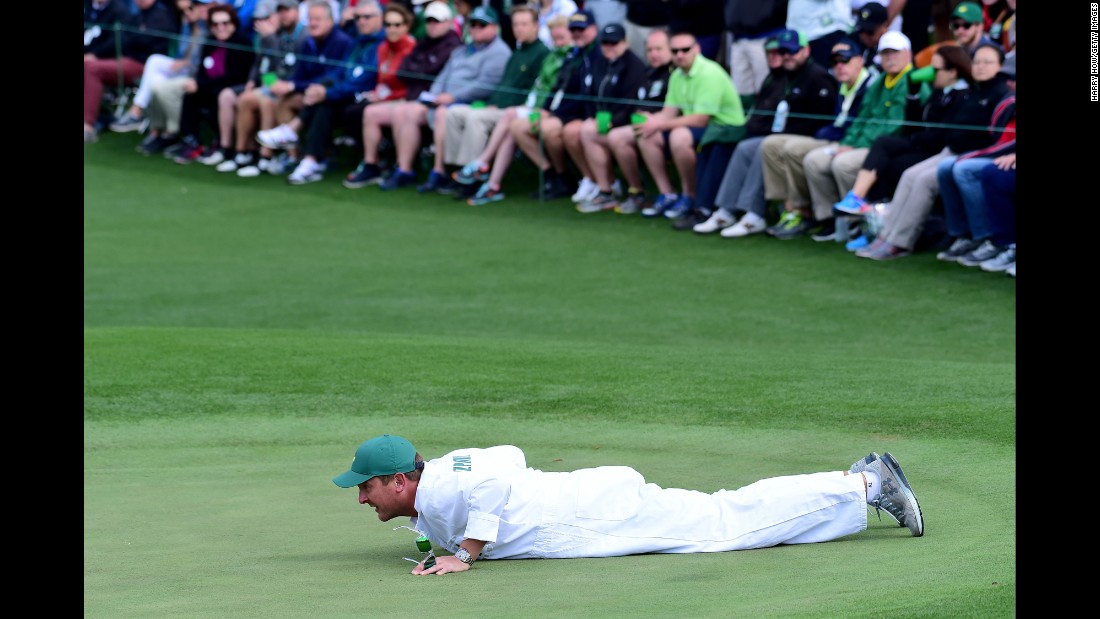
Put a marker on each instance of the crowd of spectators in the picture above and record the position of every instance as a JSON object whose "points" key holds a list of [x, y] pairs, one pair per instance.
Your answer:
{"points": [[887, 125]]}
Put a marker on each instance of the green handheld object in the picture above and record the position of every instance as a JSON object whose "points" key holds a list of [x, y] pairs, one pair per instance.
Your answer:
{"points": [[423, 545]]}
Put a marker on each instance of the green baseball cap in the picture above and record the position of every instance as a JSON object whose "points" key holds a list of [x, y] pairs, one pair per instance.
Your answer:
{"points": [[969, 12], [382, 455]]}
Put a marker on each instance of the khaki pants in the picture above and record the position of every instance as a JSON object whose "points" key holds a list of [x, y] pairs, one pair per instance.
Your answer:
{"points": [[831, 176], [784, 177], [468, 130], [166, 104]]}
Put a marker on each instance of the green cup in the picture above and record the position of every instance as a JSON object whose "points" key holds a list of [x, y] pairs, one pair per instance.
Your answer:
{"points": [[477, 105], [534, 117], [637, 119], [268, 79], [603, 122]]}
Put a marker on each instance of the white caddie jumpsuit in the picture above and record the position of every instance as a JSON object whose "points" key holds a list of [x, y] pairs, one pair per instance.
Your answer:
{"points": [[523, 513]]}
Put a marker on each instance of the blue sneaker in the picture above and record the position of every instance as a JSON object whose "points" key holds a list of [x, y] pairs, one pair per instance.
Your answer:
{"points": [[398, 179], [681, 208], [852, 205], [857, 243], [660, 205], [435, 181], [485, 194], [365, 174]]}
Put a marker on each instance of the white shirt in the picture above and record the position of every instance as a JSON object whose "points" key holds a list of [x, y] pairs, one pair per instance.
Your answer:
{"points": [[491, 495]]}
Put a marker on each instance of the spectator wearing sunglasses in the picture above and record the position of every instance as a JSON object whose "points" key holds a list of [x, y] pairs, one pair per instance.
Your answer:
{"points": [[699, 125], [783, 153], [250, 107], [225, 61], [967, 31], [417, 70], [831, 170], [324, 102]]}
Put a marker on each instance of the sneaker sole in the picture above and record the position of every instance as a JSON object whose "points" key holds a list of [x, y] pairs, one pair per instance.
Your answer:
{"points": [[358, 184], [482, 202], [276, 145]]}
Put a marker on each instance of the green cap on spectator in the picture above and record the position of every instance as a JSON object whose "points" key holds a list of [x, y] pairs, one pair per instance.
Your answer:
{"points": [[969, 12]]}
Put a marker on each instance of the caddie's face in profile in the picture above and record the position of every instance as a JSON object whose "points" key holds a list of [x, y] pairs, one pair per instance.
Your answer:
{"points": [[382, 497]]}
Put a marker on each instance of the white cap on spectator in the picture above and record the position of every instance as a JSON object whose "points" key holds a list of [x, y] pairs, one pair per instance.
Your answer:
{"points": [[437, 10], [894, 40]]}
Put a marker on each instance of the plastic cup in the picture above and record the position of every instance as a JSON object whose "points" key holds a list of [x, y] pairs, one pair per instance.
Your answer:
{"points": [[637, 119], [603, 122], [477, 105], [534, 117], [268, 79]]}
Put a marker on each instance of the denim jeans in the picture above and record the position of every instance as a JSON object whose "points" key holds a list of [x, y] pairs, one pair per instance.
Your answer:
{"points": [[963, 199]]}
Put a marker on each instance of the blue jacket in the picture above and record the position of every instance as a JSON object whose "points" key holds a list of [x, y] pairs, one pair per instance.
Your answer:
{"points": [[472, 72], [360, 72], [322, 62]]}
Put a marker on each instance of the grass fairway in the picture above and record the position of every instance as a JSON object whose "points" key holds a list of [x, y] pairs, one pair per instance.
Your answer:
{"points": [[242, 337]]}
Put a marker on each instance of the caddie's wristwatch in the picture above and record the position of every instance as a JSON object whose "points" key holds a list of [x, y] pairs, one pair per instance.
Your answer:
{"points": [[464, 556]]}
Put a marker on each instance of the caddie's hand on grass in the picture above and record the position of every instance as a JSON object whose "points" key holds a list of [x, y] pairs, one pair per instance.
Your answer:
{"points": [[443, 565]]}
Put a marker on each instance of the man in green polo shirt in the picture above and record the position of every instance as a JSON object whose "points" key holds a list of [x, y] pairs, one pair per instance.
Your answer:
{"points": [[467, 127], [699, 125]]}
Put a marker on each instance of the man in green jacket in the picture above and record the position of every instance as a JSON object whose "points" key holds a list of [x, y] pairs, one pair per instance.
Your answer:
{"points": [[467, 128], [483, 175], [831, 170]]}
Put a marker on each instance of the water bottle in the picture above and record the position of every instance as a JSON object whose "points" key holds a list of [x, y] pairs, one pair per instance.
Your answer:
{"points": [[780, 120]]}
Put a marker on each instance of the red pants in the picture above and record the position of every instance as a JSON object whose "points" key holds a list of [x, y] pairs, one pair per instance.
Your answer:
{"points": [[105, 71]]}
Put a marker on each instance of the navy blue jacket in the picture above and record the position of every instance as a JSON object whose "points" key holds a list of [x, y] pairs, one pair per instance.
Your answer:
{"points": [[322, 62], [614, 88], [575, 72], [360, 72]]}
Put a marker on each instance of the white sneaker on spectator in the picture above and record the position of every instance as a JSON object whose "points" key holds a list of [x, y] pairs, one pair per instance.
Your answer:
{"points": [[214, 158], [255, 169], [719, 220], [277, 138], [236, 163], [586, 190], [750, 223], [308, 171]]}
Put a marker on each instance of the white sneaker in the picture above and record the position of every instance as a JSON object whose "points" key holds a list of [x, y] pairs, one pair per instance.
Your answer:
{"points": [[586, 190], [719, 220], [278, 138], [255, 169], [234, 164], [308, 171], [750, 223], [213, 158]]}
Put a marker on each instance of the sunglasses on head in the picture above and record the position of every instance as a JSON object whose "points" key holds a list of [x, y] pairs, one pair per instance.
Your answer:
{"points": [[960, 25]]}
